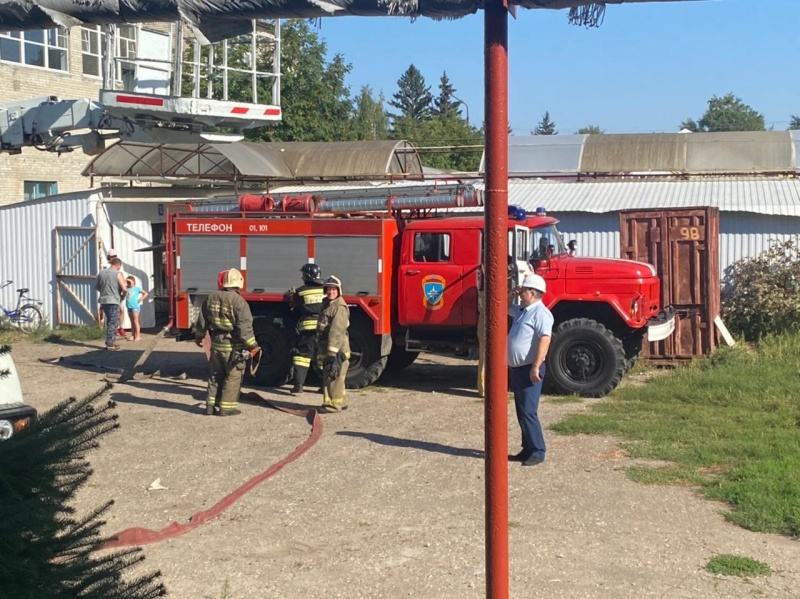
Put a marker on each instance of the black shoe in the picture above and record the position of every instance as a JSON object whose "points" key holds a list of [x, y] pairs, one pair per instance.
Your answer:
{"points": [[519, 457], [533, 461], [296, 389], [209, 410], [229, 412]]}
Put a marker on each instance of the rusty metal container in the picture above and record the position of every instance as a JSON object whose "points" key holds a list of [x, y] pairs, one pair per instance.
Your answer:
{"points": [[683, 245]]}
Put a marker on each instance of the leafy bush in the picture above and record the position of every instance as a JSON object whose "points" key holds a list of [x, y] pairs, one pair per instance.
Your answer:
{"points": [[761, 295]]}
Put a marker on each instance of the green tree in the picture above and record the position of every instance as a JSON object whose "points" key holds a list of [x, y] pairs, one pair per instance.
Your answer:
{"points": [[761, 295], [545, 126], [370, 120], [448, 144], [315, 101], [413, 98], [590, 130], [445, 105], [794, 122], [727, 113], [46, 551]]}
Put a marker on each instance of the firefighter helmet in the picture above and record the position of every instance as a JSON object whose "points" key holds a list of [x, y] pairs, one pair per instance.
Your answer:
{"points": [[312, 273], [333, 282], [233, 279]]}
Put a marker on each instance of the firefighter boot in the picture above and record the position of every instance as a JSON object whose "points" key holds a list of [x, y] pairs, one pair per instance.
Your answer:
{"points": [[300, 373]]}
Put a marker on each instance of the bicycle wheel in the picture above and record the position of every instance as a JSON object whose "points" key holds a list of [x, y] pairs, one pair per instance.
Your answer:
{"points": [[29, 318]]}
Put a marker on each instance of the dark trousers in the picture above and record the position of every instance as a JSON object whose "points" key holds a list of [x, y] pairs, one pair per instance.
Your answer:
{"points": [[526, 400], [111, 312], [224, 381]]}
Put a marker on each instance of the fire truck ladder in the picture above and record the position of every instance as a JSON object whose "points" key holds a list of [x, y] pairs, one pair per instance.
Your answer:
{"points": [[171, 90]]}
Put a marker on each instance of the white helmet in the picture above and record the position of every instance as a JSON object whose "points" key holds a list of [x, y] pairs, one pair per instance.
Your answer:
{"points": [[536, 282], [333, 282], [233, 279]]}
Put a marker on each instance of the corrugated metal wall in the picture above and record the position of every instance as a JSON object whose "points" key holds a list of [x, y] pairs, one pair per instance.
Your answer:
{"points": [[744, 235], [26, 244], [596, 234]]}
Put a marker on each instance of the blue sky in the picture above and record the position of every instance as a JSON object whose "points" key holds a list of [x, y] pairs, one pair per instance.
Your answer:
{"points": [[648, 67]]}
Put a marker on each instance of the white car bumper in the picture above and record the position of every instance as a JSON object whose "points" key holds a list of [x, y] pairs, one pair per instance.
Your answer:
{"points": [[662, 326]]}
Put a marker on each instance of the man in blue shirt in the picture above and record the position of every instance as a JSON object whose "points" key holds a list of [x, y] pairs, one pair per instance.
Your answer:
{"points": [[528, 342]]}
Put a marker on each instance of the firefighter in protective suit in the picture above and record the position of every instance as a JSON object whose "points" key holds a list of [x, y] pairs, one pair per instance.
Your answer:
{"points": [[229, 322], [307, 301], [333, 346]]}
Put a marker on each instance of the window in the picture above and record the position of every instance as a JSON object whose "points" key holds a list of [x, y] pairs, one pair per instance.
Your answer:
{"points": [[39, 189], [546, 242], [431, 247], [39, 48], [92, 43], [91, 54]]}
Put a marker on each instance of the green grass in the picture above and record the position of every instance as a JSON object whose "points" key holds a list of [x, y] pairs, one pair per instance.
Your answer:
{"points": [[63, 334], [735, 565], [729, 424]]}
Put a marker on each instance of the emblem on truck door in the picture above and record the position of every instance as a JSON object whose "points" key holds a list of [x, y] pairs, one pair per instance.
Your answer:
{"points": [[433, 291]]}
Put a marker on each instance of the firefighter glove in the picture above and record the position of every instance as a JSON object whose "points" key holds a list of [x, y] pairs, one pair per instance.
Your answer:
{"points": [[333, 367], [198, 341]]}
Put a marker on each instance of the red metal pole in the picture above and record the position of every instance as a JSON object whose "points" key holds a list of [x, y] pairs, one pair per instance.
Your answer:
{"points": [[496, 198]]}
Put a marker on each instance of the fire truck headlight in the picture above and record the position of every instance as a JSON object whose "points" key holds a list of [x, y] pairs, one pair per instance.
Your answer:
{"points": [[6, 430], [634, 307]]}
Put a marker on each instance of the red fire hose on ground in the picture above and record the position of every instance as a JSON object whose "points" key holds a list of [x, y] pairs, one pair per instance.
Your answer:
{"points": [[145, 536]]}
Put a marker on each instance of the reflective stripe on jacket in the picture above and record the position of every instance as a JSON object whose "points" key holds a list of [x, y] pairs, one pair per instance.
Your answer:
{"points": [[308, 300], [227, 317], [332, 330]]}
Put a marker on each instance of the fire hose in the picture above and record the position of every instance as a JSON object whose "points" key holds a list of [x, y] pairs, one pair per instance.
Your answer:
{"points": [[145, 536]]}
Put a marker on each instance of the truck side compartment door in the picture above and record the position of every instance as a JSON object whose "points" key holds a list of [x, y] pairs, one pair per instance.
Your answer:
{"points": [[430, 283]]}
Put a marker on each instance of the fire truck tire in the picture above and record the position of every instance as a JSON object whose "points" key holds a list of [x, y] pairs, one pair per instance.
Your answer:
{"points": [[585, 359], [276, 358], [400, 359], [366, 362]]}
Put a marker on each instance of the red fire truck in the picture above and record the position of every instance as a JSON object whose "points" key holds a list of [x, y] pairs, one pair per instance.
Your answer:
{"points": [[410, 276]]}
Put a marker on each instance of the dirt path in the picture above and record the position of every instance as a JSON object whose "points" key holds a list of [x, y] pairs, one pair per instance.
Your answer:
{"points": [[390, 502]]}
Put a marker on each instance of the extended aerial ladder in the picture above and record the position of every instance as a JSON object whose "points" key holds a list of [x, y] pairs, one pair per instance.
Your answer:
{"points": [[196, 85]]}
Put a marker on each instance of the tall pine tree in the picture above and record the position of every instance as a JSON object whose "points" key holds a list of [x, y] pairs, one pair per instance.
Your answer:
{"points": [[445, 105], [45, 550], [545, 126], [413, 98]]}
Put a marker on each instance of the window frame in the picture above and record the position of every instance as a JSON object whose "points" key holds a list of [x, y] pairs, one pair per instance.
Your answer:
{"points": [[49, 46], [443, 245], [126, 47], [31, 189]]}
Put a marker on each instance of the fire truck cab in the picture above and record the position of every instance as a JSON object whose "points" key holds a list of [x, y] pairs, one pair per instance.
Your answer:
{"points": [[412, 279]]}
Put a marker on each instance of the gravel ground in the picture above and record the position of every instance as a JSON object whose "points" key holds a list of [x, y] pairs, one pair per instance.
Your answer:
{"points": [[390, 502]]}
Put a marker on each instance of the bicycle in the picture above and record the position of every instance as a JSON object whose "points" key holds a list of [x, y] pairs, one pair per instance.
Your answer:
{"points": [[26, 316]]}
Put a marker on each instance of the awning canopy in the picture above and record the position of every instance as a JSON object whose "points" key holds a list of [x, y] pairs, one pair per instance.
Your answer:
{"points": [[253, 162], [215, 20]]}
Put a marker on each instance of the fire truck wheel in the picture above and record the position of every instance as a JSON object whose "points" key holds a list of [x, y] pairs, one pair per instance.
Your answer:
{"points": [[400, 359], [366, 363], [585, 359], [276, 359]]}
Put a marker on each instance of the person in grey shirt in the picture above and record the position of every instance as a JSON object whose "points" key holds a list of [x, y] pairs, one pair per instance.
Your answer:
{"points": [[528, 342], [110, 284]]}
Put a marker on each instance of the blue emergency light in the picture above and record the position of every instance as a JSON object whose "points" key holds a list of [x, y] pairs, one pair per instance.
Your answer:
{"points": [[540, 211], [516, 213]]}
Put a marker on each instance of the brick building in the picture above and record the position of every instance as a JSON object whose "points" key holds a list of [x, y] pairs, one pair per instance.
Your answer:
{"points": [[66, 64]]}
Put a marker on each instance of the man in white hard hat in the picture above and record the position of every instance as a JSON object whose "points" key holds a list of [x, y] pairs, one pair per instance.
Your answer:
{"points": [[528, 342]]}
